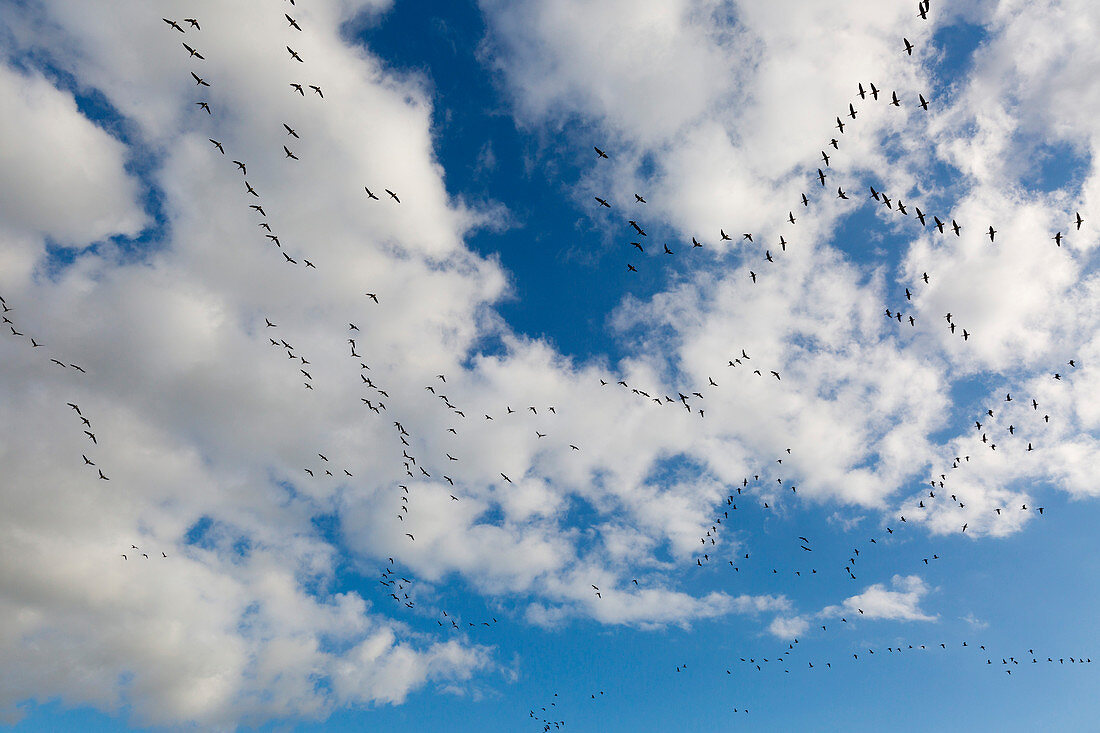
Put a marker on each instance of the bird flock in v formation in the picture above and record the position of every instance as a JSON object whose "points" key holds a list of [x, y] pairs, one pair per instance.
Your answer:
{"points": [[1019, 422]]}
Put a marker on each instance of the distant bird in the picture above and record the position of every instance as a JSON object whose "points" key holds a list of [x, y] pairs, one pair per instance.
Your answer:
{"points": [[602, 202], [908, 46], [194, 53], [293, 24], [1079, 221], [992, 232], [317, 89], [174, 24], [639, 199], [393, 196], [294, 54], [194, 23], [199, 81], [599, 152], [1057, 239], [923, 102], [289, 154], [298, 88]]}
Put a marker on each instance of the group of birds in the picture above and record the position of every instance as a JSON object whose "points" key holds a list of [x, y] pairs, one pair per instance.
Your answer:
{"points": [[444, 471]]}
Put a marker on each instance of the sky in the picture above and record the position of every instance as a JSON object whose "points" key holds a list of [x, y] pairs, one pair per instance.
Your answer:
{"points": [[355, 407]]}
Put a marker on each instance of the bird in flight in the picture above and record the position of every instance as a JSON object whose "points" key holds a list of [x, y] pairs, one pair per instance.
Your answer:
{"points": [[394, 196], [599, 152], [294, 54], [293, 24], [908, 46]]}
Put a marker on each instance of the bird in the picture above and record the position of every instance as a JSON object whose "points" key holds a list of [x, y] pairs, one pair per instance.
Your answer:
{"points": [[289, 154], [602, 202], [294, 54], [293, 24], [194, 23], [205, 106], [199, 81], [908, 46], [840, 193], [317, 89], [297, 88], [393, 195], [194, 53], [102, 477], [992, 232], [639, 199], [923, 102], [599, 152], [1079, 221], [174, 24]]}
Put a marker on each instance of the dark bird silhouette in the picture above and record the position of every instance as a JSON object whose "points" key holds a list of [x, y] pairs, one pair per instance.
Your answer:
{"points": [[394, 196], [908, 46], [599, 152], [174, 24], [294, 54]]}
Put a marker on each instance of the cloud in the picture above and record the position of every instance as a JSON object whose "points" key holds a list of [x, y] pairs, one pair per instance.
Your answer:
{"points": [[880, 603], [206, 429], [64, 178]]}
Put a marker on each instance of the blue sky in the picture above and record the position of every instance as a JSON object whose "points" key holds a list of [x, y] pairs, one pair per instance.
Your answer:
{"points": [[500, 269]]}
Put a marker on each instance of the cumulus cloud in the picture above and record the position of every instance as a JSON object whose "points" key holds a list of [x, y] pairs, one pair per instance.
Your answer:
{"points": [[898, 601], [212, 443]]}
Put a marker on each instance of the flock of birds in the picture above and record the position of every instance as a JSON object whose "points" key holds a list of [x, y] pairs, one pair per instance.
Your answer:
{"points": [[1014, 424]]}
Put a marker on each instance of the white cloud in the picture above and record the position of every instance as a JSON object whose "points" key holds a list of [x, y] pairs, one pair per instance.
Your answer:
{"points": [[63, 177], [878, 602]]}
